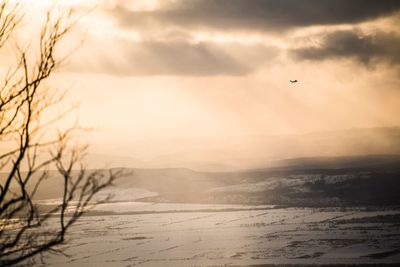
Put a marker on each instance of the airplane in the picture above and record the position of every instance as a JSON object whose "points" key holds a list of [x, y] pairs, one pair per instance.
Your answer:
{"points": [[294, 81]]}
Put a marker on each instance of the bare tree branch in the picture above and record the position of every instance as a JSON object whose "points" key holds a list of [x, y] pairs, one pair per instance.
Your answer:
{"points": [[25, 230]]}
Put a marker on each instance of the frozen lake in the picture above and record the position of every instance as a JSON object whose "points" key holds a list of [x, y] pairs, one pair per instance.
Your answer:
{"points": [[149, 234]]}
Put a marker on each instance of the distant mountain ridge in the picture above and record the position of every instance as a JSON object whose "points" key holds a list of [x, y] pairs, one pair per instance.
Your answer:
{"points": [[244, 152]]}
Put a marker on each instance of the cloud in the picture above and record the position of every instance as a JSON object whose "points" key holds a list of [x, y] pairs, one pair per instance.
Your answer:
{"points": [[265, 15], [364, 48], [146, 58]]}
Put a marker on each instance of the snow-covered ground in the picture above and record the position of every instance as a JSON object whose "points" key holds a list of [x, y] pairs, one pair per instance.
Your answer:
{"points": [[220, 235]]}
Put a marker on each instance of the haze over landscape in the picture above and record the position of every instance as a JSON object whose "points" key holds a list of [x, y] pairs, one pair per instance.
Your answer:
{"points": [[250, 132]]}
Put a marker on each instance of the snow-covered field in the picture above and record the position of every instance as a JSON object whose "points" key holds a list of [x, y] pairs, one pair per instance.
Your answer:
{"points": [[224, 235]]}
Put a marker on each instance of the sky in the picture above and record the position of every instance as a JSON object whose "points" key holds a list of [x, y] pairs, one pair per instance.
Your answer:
{"points": [[155, 70]]}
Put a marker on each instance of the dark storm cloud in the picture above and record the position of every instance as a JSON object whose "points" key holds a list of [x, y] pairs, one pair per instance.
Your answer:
{"points": [[257, 14], [366, 49], [177, 58]]}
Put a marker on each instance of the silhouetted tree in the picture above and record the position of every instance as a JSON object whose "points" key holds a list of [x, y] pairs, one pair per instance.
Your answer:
{"points": [[28, 151]]}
